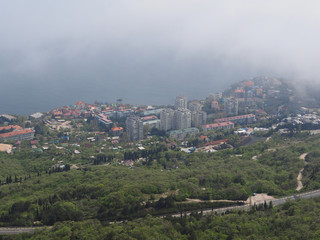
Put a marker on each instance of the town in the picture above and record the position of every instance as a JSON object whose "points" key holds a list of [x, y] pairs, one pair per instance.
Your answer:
{"points": [[247, 111], [244, 147]]}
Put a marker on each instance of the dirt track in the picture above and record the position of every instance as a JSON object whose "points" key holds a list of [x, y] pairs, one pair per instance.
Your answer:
{"points": [[299, 178]]}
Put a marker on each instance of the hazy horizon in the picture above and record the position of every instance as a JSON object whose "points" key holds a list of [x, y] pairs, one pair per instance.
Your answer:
{"points": [[54, 53]]}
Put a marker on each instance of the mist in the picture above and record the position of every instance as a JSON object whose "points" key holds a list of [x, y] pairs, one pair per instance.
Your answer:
{"points": [[54, 53]]}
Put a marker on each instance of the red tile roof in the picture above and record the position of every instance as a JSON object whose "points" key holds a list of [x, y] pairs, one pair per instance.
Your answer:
{"points": [[147, 118], [34, 142], [117, 129], [104, 118], [239, 91], [215, 125], [9, 134], [80, 103], [216, 142], [234, 118], [16, 127], [248, 83]]}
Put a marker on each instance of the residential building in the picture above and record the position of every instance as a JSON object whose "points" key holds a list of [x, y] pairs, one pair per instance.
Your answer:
{"points": [[248, 83], [183, 133], [134, 127], [181, 102], [215, 96], [116, 131], [217, 126], [37, 115], [182, 118], [166, 118], [231, 106], [102, 119], [194, 106], [10, 128], [198, 118], [242, 119], [152, 112], [149, 118], [152, 123], [215, 105], [18, 135], [8, 117], [124, 113]]}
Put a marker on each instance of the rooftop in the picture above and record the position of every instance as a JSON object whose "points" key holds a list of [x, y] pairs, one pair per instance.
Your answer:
{"points": [[15, 133], [147, 118], [214, 125], [117, 129], [16, 127], [234, 118]]}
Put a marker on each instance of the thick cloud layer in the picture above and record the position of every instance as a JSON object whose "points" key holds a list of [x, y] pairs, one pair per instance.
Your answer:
{"points": [[57, 52]]}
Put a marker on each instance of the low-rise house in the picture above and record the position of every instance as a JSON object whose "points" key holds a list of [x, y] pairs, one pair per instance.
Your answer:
{"points": [[104, 120], [242, 119], [217, 126], [24, 134]]}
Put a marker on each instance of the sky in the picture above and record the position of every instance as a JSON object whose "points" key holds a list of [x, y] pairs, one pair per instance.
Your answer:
{"points": [[54, 53]]}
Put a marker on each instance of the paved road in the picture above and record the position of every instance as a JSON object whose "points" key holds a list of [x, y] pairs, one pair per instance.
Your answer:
{"points": [[275, 202], [18, 230]]}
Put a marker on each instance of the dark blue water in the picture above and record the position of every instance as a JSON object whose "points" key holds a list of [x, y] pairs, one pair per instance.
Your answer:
{"points": [[156, 80]]}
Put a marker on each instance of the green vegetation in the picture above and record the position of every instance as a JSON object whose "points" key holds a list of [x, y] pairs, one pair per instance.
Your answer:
{"points": [[293, 220], [158, 184]]}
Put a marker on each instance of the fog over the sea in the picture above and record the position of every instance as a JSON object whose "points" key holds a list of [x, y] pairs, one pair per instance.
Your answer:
{"points": [[54, 53]]}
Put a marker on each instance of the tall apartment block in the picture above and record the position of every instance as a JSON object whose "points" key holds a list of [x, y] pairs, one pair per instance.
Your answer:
{"points": [[198, 118], [194, 106], [231, 106], [181, 102], [182, 118], [134, 127], [166, 119]]}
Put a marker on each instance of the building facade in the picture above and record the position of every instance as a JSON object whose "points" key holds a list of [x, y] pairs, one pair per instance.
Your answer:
{"points": [[166, 118], [217, 126], [241, 119], [152, 124], [231, 106], [198, 118], [134, 127], [181, 102], [194, 106], [18, 135], [182, 118], [183, 133]]}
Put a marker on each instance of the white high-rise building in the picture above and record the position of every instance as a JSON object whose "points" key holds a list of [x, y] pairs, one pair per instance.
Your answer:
{"points": [[194, 106], [134, 127], [166, 119], [181, 102], [182, 118]]}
